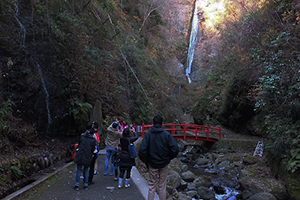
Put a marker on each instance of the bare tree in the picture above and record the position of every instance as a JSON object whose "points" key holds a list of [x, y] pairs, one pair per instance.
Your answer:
{"points": [[147, 7]]}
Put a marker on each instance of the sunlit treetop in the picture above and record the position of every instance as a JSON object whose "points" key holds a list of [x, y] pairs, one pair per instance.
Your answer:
{"points": [[216, 11]]}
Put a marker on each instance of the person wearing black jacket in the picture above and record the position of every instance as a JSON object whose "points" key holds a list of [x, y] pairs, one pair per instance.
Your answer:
{"points": [[126, 162], [84, 155], [158, 148]]}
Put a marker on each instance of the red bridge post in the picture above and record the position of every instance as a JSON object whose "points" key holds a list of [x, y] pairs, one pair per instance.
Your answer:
{"points": [[173, 129], [143, 128], [184, 130]]}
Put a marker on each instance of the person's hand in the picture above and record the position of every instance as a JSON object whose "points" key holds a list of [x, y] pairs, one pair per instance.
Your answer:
{"points": [[132, 129]]}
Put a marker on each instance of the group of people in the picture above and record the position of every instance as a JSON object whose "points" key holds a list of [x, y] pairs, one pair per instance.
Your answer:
{"points": [[117, 152], [157, 149]]}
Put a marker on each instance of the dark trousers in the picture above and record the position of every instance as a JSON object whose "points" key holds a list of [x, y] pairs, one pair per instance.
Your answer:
{"points": [[92, 168], [122, 171]]}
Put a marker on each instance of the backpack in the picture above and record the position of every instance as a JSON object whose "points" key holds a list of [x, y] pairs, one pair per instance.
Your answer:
{"points": [[132, 150]]}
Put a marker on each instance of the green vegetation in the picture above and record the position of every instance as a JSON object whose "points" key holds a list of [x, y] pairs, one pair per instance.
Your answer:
{"points": [[247, 69], [257, 76]]}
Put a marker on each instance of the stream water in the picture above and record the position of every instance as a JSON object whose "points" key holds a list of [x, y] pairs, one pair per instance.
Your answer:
{"points": [[220, 181]]}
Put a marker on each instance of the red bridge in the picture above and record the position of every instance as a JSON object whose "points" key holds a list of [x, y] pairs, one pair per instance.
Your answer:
{"points": [[189, 131]]}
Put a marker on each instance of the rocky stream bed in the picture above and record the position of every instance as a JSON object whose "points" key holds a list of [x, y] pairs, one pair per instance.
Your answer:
{"points": [[226, 170]]}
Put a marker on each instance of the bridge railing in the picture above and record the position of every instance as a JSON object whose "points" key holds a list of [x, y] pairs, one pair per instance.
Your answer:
{"points": [[189, 131]]}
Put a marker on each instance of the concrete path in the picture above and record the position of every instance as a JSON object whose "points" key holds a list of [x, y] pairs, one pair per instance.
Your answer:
{"points": [[59, 185]]}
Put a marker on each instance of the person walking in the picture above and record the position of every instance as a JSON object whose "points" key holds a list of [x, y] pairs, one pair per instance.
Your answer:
{"points": [[111, 142], [157, 149], [126, 162], [95, 126], [84, 155], [116, 160]]}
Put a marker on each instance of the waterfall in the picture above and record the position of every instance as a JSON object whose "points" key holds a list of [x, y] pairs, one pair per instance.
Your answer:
{"points": [[23, 35], [23, 30], [47, 94], [194, 38]]}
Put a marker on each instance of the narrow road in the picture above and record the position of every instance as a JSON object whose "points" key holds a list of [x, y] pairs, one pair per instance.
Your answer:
{"points": [[60, 186]]}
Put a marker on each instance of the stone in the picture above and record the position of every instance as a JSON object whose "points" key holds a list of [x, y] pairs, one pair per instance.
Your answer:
{"points": [[183, 197], [174, 179], [41, 162], [184, 168], [175, 165], [205, 193], [47, 163], [183, 185], [51, 159], [269, 185], [199, 181], [191, 193], [249, 160], [188, 176], [263, 196], [224, 164], [191, 186], [201, 161], [246, 194]]}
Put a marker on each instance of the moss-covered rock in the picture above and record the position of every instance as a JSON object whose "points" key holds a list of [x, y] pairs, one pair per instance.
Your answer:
{"points": [[270, 185]]}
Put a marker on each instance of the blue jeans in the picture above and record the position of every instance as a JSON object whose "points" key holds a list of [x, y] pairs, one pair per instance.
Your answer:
{"points": [[109, 153], [85, 175]]}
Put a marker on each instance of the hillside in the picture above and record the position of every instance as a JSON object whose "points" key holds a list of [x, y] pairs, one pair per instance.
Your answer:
{"points": [[67, 62]]}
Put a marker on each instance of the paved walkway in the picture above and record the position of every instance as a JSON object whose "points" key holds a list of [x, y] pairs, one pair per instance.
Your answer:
{"points": [[59, 185]]}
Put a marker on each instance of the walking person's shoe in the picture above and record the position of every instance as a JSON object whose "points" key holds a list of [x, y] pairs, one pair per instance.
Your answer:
{"points": [[95, 172], [91, 182], [85, 187], [76, 188], [127, 184], [120, 183]]}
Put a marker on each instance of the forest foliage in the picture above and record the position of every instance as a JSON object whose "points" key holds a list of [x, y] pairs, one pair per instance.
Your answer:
{"points": [[256, 88], [114, 51]]}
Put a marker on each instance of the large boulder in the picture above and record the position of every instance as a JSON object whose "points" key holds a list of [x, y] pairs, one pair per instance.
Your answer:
{"points": [[176, 165], [262, 196], [174, 179], [206, 194], [188, 176], [270, 185]]}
